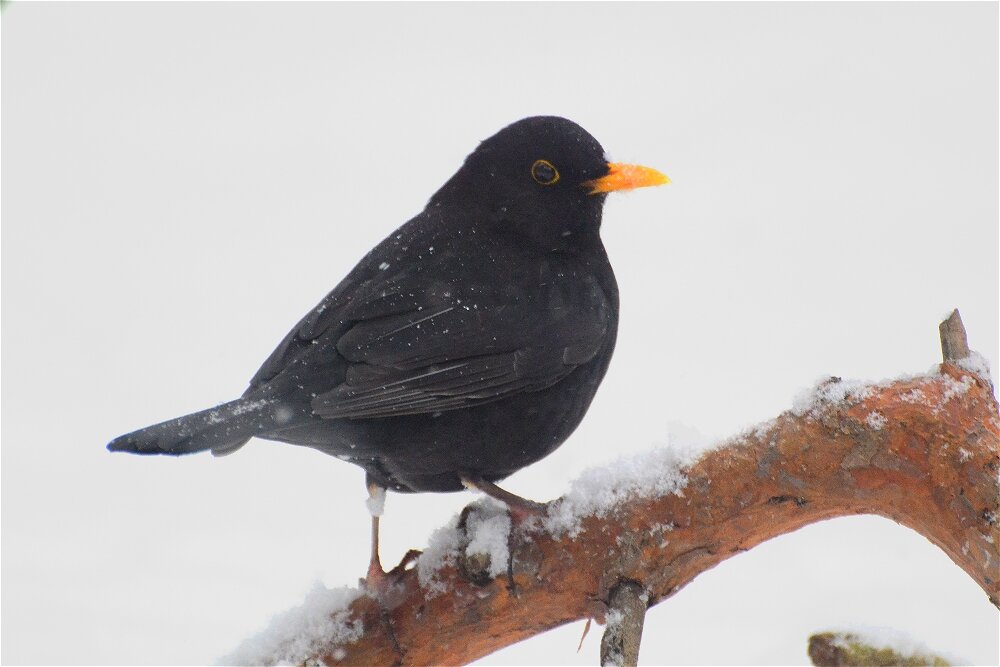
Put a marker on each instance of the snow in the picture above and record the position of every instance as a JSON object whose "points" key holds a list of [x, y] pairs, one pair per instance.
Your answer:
{"points": [[829, 391], [833, 390], [914, 396], [976, 363], [613, 619], [876, 420], [440, 553], [376, 502], [252, 406], [298, 633], [489, 528], [955, 388], [599, 491], [614, 658]]}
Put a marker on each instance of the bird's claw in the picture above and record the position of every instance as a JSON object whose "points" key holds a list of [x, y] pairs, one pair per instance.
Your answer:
{"points": [[377, 581], [409, 557]]}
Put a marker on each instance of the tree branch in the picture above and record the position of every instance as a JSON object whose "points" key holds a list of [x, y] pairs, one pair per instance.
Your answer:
{"points": [[847, 649], [625, 618], [954, 344], [922, 451]]}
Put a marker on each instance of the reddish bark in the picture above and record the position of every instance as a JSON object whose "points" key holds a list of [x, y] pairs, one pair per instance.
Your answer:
{"points": [[924, 452]]}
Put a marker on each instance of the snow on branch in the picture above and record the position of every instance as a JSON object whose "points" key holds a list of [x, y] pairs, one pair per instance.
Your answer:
{"points": [[921, 450]]}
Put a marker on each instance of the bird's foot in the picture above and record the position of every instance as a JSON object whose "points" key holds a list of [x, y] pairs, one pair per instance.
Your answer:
{"points": [[520, 514], [408, 559], [378, 583], [376, 580]]}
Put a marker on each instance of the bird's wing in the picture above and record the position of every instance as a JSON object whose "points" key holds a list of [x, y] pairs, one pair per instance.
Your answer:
{"points": [[311, 342], [422, 346], [376, 392]]}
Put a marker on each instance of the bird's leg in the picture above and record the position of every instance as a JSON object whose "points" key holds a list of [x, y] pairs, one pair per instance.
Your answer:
{"points": [[520, 508], [376, 579]]}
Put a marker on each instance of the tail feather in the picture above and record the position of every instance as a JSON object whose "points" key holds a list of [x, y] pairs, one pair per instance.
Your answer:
{"points": [[223, 429]]}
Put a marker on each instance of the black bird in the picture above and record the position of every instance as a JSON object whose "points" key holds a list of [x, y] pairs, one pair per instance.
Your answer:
{"points": [[465, 346]]}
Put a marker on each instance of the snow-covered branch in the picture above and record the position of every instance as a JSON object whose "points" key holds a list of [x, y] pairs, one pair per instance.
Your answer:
{"points": [[922, 450]]}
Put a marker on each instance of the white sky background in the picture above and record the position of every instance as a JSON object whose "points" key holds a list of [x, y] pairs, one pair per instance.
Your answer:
{"points": [[182, 183]]}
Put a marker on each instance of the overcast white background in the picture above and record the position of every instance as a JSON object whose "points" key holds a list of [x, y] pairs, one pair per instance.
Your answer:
{"points": [[182, 182]]}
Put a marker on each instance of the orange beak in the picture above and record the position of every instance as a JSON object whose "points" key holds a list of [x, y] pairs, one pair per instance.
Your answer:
{"points": [[626, 177]]}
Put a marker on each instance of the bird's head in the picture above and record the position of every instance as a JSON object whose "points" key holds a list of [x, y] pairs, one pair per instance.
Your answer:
{"points": [[545, 177]]}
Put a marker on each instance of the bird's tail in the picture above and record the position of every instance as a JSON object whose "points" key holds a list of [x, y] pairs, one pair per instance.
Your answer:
{"points": [[223, 429]]}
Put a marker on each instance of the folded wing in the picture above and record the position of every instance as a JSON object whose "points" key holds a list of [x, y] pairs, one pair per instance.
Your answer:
{"points": [[448, 352]]}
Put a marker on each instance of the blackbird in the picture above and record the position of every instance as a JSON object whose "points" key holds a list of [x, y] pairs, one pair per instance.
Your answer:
{"points": [[465, 346]]}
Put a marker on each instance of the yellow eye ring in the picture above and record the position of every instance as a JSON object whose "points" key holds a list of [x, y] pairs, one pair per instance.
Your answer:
{"points": [[544, 172]]}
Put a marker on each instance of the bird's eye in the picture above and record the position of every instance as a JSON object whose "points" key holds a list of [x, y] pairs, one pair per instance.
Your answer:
{"points": [[543, 172]]}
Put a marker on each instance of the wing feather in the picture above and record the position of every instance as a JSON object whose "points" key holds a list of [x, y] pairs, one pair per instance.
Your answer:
{"points": [[445, 387]]}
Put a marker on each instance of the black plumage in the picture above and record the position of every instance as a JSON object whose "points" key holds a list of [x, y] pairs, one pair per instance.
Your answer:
{"points": [[469, 343]]}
